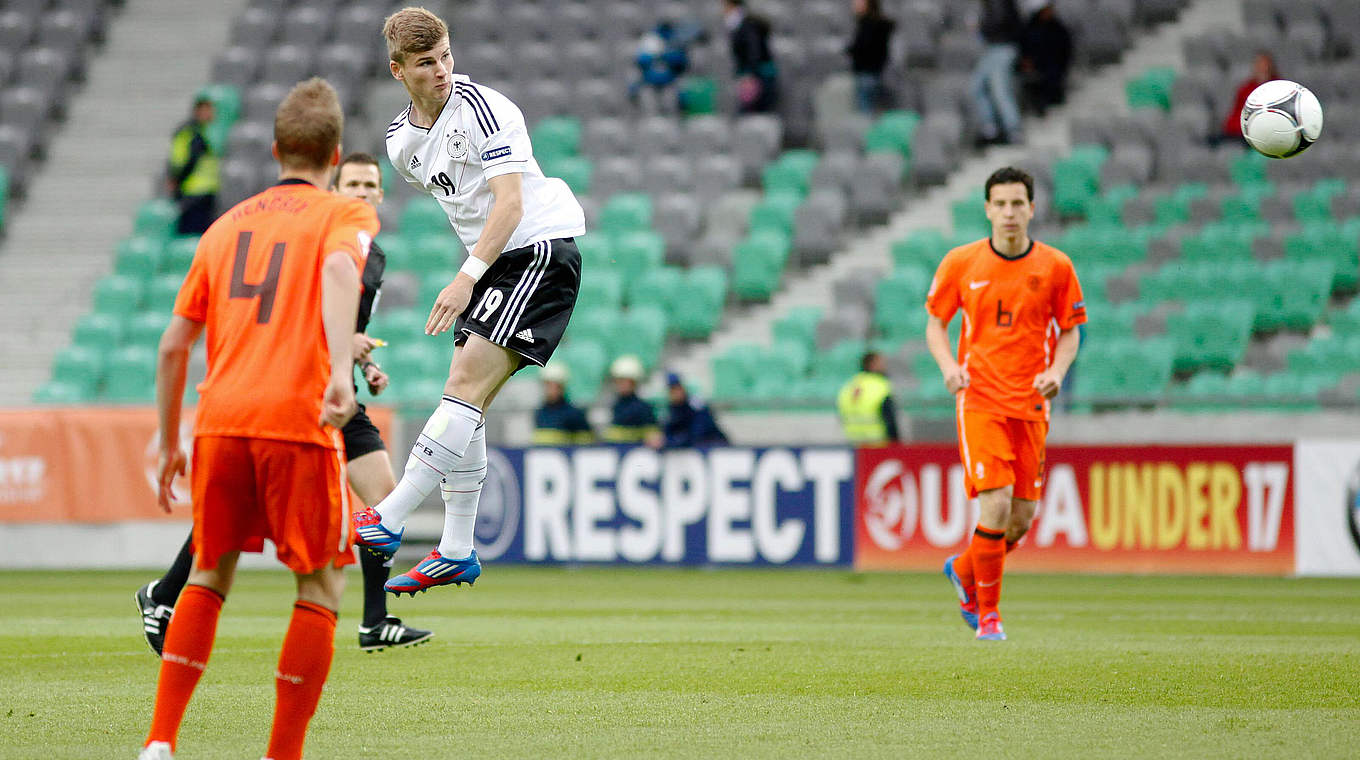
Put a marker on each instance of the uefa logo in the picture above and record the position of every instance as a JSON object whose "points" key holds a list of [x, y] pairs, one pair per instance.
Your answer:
{"points": [[498, 509]]}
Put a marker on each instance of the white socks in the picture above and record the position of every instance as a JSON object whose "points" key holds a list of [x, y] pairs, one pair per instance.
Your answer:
{"points": [[438, 451], [461, 489]]}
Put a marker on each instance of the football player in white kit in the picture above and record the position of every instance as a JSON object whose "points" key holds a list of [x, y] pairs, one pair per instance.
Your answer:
{"points": [[468, 146]]}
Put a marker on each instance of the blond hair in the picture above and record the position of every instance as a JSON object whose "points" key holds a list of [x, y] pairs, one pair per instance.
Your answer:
{"points": [[412, 30], [308, 125]]}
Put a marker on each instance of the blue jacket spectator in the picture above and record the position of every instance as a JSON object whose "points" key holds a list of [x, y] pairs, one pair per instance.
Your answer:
{"points": [[558, 422], [633, 420], [689, 423], [663, 56]]}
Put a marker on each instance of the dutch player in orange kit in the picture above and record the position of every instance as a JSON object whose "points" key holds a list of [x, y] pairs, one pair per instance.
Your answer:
{"points": [[1021, 305], [275, 283]]}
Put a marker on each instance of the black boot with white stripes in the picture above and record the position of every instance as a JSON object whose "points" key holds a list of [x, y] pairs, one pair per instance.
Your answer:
{"points": [[391, 633]]}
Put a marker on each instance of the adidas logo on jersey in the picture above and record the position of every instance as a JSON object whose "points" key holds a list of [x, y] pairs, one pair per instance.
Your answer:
{"points": [[525, 335], [415, 162]]}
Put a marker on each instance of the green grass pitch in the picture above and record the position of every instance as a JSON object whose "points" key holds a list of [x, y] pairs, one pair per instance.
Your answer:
{"points": [[674, 663]]}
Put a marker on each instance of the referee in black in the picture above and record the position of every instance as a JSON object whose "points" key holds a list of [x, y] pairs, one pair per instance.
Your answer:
{"points": [[370, 470]]}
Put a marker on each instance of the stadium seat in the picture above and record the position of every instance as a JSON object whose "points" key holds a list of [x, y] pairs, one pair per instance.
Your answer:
{"points": [[799, 326], [156, 218], [179, 254], [638, 252], [422, 214], [56, 392], [601, 288], [145, 329], [81, 367], [734, 371], [587, 362], [697, 309], [597, 253], [640, 331], [98, 331], [625, 213], [398, 326], [758, 263], [1211, 335], [117, 295], [138, 257], [776, 212], [660, 286], [557, 137], [592, 323], [131, 375], [898, 305], [699, 95], [432, 284], [161, 294], [576, 171]]}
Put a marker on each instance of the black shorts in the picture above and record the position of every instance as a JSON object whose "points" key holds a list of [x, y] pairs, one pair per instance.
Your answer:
{"points": [[361, 436], [525, 299]]}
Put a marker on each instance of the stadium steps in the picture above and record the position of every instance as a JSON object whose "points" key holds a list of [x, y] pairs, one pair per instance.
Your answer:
{"points": [[1047, 138], [84, 197]]}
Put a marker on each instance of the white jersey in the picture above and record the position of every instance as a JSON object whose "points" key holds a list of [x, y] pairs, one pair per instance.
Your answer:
{"points": [[478, 135]]}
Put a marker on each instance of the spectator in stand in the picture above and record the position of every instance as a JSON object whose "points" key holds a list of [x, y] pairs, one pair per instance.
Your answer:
{"points": [[1262, 70], [865, 403], [868, 51], [757, 76], [662, 58], [689, 422], [558, 422], [1045, 56], [993, 86], [191, 178], [633, 420]]}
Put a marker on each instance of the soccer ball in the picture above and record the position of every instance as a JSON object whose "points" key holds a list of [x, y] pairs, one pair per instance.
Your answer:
{"points": [[1281, 118]]}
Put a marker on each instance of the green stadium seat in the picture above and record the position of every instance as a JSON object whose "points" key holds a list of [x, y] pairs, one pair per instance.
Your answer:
{"points": [[1204, 392], [411, 361], [1292, 391], [433, 251], [1124, 371], [804, 160], [899, 305], [595, 324], [776, 212], [397, 252], [697, 309], [587, 362], [893, 131], [398, 326], [131, 375], [734, 372], [799, 326], [780, 177], [626, 212], [145, 329], [226, 101], [98, 331], [758, 264], [638, 252], [640, 331], [793, 359], [1076, 179], [557, 137], [603, 288], [970, 216], [1297, 297], [1248, 168], [161, 294], [1241, 209], [841, 361], [660, 286], [922, 250], [138, 257], [1327, 241], [576, 171], [117, 295], [698, 95], [1174, 208], [1152, 89], [422, 214], [597, 253], [1211, 335], [179, 254], [58, 393], [156, 218], [430, 287], [80, 366]]}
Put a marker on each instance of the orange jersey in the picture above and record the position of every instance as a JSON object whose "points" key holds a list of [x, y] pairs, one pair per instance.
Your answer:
{"points": [[256, 283], [1013, 310]]}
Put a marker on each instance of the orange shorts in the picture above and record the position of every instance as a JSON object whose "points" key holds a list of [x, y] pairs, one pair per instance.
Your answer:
{"points": [[295, 494], [1002, 451]]}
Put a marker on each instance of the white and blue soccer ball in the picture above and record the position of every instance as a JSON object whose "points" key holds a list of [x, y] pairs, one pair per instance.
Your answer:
{"points": [[1281, 118]]}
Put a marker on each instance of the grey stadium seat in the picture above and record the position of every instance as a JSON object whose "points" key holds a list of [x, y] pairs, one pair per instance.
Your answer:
{"points": [[542, 98], [615, 174], [255, 28], [715, 175], [344, 57], [64, 28], [306, 25], [600, 96], [607, 136], [46, 69], [16, 149], [666, 174], [857, 286], [849, 322], [250, 140], [584, 58], [24, 107], [658, 136], [819, 224], [240, 180], [677, 220], [16, 30], [287, 64], [237, 66], [836, 169], [755, 140], [400, 290], [706, 135], [877, 187], [483, 61], [261, 101]]}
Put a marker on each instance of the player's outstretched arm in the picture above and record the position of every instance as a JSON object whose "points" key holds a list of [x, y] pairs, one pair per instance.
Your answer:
{"points": [[339, 309], [171, 370], [1050, 380], [506, 211], [937, 340]]}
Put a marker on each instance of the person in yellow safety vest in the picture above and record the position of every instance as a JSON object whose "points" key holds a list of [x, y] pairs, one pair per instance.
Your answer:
{"points": [[633, 420], [192, 177], [558, 422], [866, 407]]}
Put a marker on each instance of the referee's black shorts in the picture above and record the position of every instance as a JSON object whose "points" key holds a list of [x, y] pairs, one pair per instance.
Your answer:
{"points": [[361, 436], [525, 299]]}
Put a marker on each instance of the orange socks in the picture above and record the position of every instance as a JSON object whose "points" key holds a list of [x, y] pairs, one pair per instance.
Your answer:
{"points": [[304, 663], [188, 642], [988, 551]]}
